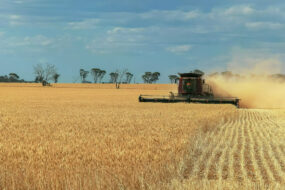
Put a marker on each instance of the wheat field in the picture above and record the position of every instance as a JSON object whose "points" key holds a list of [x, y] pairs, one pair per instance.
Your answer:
{"points": [[75, 136], [249, 148]]}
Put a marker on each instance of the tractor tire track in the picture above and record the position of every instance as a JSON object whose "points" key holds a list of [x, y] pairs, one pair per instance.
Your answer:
{"points": [[196, 152], [257, 160], [220, 133], [259, 150], [248, 156], [225, 166], [212, 171], [271, 157], [237, 155]]}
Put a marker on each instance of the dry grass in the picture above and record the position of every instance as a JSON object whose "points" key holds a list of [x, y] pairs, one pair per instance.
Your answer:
{"points": [[81, 137]]}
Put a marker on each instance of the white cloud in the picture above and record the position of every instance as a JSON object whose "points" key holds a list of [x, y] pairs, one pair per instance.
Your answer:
{"points": [[179, 49], [171, 15], [11, 45], [11, 19], [23, 1], [236, 18], [15, 23], [35, 44], [15, 20], [97, 48], [233, 15], [159, 28], [85, 24], [38, 41], [263, 25], [15, 17], [125, 35], [18, 2], [239, 10], [118, 39], [117, 30]]}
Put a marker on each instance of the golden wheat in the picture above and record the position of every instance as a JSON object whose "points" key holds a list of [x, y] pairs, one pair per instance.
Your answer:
{"points": [[86, 137], [72, 136]]}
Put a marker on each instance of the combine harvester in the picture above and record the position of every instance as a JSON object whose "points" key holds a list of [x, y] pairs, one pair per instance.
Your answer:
{"points": [[191, 88]]}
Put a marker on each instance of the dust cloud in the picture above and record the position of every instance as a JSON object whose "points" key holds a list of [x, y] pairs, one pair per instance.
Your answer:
{"points": [[256, 86]]}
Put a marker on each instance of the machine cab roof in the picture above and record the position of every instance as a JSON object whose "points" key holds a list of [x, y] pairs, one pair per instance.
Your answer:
{"points": [[190, 75]]}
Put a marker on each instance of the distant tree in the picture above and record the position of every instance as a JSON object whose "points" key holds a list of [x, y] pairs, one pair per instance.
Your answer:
{"points": [[114, 77], [13, 77], [44, 74], [39, 71], [81, 72], [117, 77], [173, 78], [50, 70], [55, 77], [122, 74], [96, 74], [129, 77], [39, 79], [102, 74], [4, 78], [83, 75], [155, 77], [147, 77]]}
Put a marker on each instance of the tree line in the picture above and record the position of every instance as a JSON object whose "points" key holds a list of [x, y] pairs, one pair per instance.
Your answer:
{"points": [[12, 77], [48, 73], [97, 75], [121, 76], [118, 76]]}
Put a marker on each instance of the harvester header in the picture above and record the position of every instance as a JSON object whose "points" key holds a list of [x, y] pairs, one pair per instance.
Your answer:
{"points": [[191, 88]]}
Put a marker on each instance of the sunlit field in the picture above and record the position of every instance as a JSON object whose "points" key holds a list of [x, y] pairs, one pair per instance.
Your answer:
{"points": [[86, 136]]}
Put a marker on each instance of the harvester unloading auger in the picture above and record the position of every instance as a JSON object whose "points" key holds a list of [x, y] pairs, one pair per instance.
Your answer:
{"points": [[191, 88]]}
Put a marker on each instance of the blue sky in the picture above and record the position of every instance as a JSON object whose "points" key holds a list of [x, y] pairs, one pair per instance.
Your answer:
{"points": [[161, 35]]}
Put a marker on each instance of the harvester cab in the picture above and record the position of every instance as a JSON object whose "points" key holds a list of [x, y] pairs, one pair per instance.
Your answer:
{"points": [[191, 88], [192, 84]]}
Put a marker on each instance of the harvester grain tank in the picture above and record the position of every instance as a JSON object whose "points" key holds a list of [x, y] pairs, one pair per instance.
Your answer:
{"points": [[191, 88]]}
